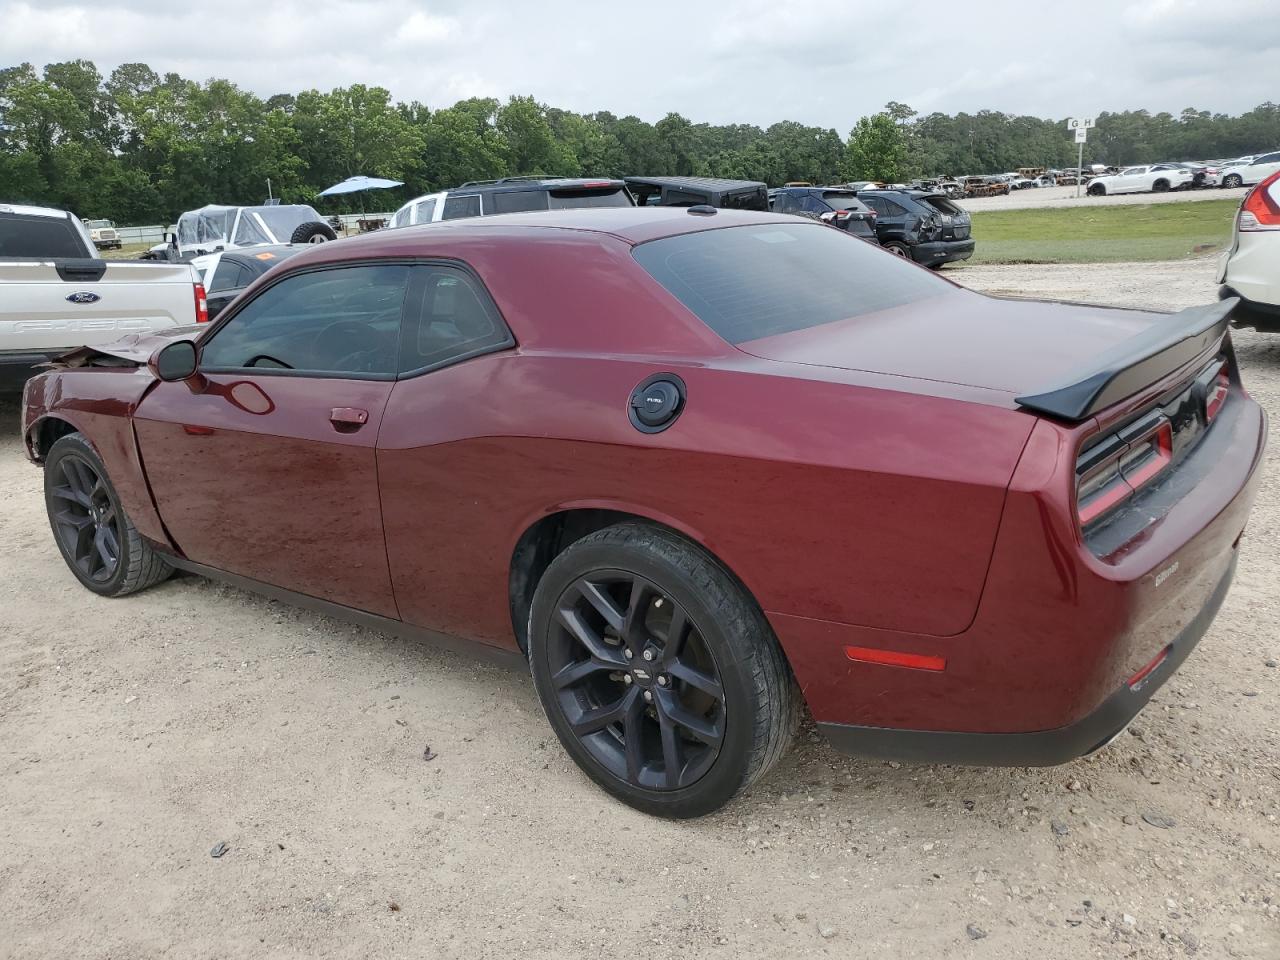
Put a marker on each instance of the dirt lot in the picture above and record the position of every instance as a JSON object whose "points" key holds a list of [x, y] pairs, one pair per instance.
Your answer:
{"points": [[136, 734], [1042, 197]]}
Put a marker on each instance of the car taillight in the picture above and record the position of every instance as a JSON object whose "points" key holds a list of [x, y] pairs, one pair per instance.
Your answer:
{"points": [[1114, 469], [1261, 207], [1216, 384], [202, 304]]}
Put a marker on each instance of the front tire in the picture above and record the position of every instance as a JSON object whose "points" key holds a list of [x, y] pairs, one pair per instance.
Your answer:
{"points": [[659, 674], [97, 539], [1097, 190], [1232, 180], [899, 250]]}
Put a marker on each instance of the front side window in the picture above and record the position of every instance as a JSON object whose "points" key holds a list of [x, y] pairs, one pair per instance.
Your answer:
{"points": [[338, 320], [762, 280], [457, 207], [226, 276]]}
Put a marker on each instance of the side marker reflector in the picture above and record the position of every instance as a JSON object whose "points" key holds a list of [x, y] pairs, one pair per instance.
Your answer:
{"points": [[896, 658]]}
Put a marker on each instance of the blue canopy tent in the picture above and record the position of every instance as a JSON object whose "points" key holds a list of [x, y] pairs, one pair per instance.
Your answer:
{"points": [[359, 184]]}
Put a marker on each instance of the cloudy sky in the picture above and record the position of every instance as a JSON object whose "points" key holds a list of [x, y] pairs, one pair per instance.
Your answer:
{"points": [[824, 62]]}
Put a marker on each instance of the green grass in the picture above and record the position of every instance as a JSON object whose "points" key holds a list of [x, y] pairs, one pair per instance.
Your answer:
{"points": [[130, 251], [1156, 231]]}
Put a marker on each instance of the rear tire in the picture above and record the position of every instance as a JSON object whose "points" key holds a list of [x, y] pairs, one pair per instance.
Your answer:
{"points": [[692, 716], [1232, 180], [313, 232], [97, 539], [1160, 186]]}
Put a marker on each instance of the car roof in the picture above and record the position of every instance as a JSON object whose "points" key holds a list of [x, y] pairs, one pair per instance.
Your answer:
{"points": [[697, 183], [631, 225], [28, 211], [535, 183]]}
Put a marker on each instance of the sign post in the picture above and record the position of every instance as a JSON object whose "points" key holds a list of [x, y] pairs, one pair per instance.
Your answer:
{"points": [[1082, 126]]}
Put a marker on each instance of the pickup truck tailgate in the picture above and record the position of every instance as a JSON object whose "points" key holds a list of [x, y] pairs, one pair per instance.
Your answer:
{"points": [[48, 306]]}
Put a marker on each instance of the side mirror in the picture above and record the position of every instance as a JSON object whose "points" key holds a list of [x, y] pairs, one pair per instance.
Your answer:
{"points": [[171, 239], [174, 361]]}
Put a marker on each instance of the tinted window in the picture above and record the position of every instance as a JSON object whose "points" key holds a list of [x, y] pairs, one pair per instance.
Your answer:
{"points": [[841, 201], [1269, 158], [449, 318], [228, 276], [517, 201], [786, 203], [877, 204], [457, 207], [943, 205], [757, 281], [613, 197], [44, 238], [343, 320]]}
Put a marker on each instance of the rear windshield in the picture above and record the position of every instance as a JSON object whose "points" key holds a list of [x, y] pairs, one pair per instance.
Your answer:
{"points": [[596, 197], [757, 281], [943, 205], [41, 238], [842, 201]]}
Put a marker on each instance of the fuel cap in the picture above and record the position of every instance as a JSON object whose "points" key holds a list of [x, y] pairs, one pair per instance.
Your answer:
{"points": [[656, 402]]}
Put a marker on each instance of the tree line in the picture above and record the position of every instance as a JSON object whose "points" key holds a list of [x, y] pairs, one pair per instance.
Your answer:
{"points": [[140, 147]]}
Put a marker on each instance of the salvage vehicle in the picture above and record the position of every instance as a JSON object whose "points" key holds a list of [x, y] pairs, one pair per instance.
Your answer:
{"points": [[482, 198], [103, 233], [985, 187], [1251, 171], [692, 469], [1153, 178], [1250, 269], [925, 227], [213, 228], [834, 206], [55, 294], [689, 191]]}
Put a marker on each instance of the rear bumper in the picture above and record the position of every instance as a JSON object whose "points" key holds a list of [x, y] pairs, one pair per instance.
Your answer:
{"points": [[1041, 748], [1263, 317], [942, 251]]}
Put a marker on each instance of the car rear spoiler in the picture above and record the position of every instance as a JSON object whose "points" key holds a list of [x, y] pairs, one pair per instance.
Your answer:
{"points": [[1135, 363]]}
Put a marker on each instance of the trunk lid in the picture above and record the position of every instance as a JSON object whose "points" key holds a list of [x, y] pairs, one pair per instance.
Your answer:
{"points": [[1015, 346]]}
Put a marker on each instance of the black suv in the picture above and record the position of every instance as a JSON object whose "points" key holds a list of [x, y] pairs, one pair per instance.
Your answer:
{"points": [[921, 226], [690, 191], [836, 206]]}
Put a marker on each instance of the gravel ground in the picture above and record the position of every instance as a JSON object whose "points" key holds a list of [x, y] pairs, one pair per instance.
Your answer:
{"points": [[1041, 197], [137, 734]]}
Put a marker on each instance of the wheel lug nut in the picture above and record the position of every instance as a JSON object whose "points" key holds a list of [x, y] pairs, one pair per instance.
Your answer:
{"points": [[648, 696], [628, 654], [648, 654], [626, 678], [662, 681]]}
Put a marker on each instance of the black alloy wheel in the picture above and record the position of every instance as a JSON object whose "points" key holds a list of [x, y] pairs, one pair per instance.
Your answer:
{"points": [[93, 531], [636, 682], [86, 520], [658, 671]]}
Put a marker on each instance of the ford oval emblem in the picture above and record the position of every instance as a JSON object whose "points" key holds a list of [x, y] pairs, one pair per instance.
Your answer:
{"points": [[83, 297]]}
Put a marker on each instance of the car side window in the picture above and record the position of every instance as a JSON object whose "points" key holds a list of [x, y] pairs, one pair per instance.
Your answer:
{"points": [[892, 209], [226, 276], [786, 203], [448, 317], [1268, 158], [878, 204], [456, 207], [401, 219], [341, 320], [812, 204], [518, 201], [424, 211]]}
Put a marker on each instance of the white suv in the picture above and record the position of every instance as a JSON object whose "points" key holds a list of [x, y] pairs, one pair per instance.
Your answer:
{"points": [[1251, 268], [482, 198]]}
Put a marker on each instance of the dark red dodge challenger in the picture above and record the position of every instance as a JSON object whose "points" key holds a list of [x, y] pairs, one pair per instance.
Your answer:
{"points": [[697, 466]]}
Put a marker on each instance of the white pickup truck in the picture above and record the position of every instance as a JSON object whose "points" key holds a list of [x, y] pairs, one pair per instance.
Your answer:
{"points": [[55, 295]]}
